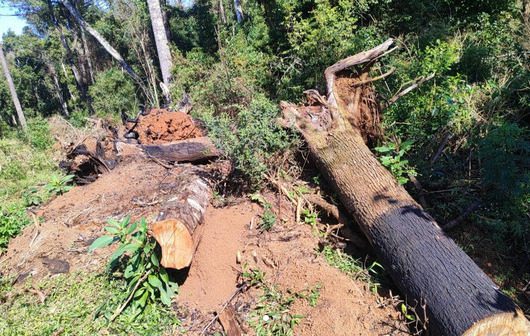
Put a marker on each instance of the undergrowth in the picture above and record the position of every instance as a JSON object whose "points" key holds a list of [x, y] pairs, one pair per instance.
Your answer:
{"points": [[272, 315], [137, 261], [76, 304], [28, 176], [354, 268]]}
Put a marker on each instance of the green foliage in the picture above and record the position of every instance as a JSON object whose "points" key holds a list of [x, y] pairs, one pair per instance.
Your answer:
{"points": [[147, 281], [38, 134], [392, 157], [352, 267], [12, 220], [250, 137], [272, 314], [113, 93], [75, 304], [59, 185], [268, 217]]}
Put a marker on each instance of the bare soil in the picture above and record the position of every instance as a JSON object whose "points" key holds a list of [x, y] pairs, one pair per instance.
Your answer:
{"points": [[161, 126], [231, 240]]}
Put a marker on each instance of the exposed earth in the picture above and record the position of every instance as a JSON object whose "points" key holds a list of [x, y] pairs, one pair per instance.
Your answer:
{"points": [[231, 243]]}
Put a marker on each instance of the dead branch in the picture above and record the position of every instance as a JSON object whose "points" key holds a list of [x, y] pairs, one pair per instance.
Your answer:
{"points": [[374, 79], [455, 222], [417, 83], [361, 58]]}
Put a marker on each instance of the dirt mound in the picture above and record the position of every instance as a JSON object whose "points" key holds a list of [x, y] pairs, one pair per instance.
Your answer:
{"points": [[161, 126]]}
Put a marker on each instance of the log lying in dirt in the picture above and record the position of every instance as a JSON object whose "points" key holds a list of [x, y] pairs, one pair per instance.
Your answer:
{"points": [[434, 274], [190, 150], [177, 228]]}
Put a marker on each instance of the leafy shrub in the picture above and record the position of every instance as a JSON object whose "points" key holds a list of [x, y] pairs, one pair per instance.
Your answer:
{"points": [[250, 138], [59, 185], [147, 281], [12, 220], [113, 93], [38, 134], [392, 157]]}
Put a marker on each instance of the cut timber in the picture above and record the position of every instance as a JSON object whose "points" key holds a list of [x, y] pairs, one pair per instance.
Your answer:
{"points": [[177, 226], [190, 150], [431, 271]]}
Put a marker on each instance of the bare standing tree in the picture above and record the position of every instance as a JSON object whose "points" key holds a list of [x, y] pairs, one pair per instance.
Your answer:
{"points": [[102, 41], [162, 44], [239, 10], [14, 96]]}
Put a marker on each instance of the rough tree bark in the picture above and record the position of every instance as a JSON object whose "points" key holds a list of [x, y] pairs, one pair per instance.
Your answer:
{"points": [[177, 228], [162, 44], [104, 43], [190, 150], [432, 272], [12, 90]]}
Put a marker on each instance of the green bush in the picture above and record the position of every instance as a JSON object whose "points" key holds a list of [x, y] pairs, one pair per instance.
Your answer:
{"points": [[250, 137], [113, 93], [38, 134], [12, 220]]}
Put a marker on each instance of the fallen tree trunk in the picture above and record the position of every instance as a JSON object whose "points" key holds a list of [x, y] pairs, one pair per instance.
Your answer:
{"points": [[431, 271], [177, 228], [189, 150]]}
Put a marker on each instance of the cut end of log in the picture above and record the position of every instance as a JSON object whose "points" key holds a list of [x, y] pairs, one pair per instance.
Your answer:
{"points": [[507, 324], [176, 243]]}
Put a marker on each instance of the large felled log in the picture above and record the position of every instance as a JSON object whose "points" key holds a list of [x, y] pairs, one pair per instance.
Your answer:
{"points": [[431, 271], [189, 150], [177, 228]]}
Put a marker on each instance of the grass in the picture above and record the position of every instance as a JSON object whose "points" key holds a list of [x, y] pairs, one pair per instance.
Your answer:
{"points": [[28, 176], [77, 304], [352, 267]]}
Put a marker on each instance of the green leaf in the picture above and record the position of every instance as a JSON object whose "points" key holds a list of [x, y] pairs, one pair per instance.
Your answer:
{"points": [[154, 260], [143, 300], [155, 282], [101, 242], [112, 229], [120, 251], [131, 228], [165, 297]]}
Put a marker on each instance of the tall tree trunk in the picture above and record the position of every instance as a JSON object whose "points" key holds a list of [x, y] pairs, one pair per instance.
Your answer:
{"points": [[448, 290], [239, 11], [81, 87], [104, 43], [58, 90], [162, 44], [88, 56], [222, 11], [11, 85]]}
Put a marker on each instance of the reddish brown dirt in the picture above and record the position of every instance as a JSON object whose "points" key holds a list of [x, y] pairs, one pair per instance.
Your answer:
{"points": [[214, 272], [287, 255], [161, 126]]}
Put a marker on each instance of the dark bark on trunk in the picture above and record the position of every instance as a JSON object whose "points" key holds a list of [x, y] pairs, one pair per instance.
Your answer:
{"points": [[428, 267], [191, 150]]}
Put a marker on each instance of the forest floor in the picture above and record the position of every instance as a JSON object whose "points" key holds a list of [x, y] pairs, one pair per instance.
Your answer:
{"points": [[288, 255], [298, 271]]}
